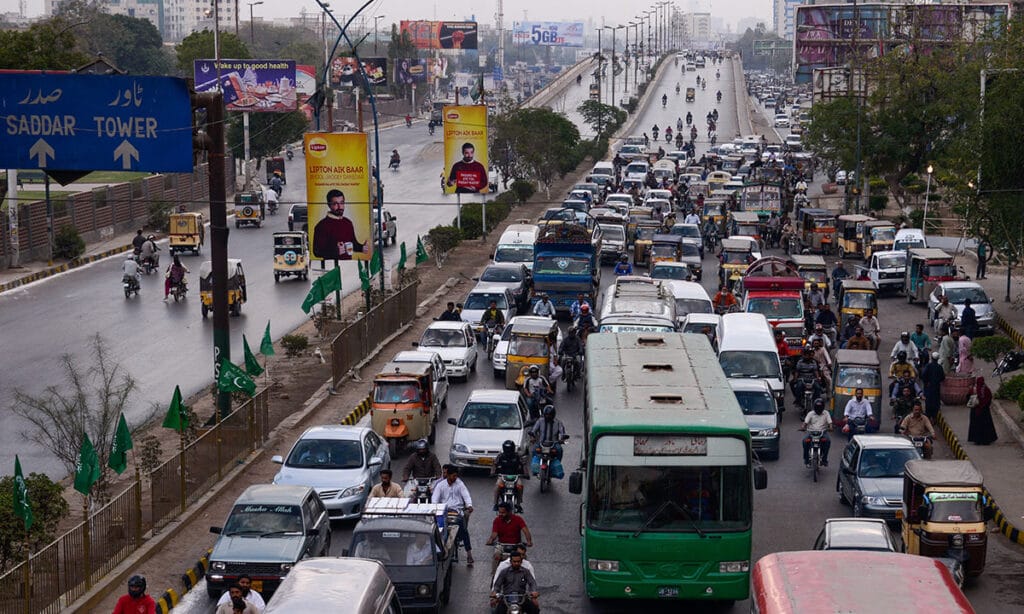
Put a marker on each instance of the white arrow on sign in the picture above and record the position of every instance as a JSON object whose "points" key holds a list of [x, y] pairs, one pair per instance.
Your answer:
{"points": [[126, 151], [41, 149]]}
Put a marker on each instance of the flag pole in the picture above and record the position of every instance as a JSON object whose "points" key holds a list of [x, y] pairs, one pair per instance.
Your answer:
{"points": [[28, 571], [86, 549], [181, 461], [138, 500]]}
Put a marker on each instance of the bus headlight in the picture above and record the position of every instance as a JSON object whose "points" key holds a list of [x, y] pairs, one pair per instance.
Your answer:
{"points": [[602, 565], [734, 567]]}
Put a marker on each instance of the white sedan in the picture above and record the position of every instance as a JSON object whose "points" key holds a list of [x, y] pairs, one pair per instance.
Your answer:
{"points": [[456, 344]]}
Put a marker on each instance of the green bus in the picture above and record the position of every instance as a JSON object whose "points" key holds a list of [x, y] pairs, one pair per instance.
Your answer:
{"points": [[666, 470]]}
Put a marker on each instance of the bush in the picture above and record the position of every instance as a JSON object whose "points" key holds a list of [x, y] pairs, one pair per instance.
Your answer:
{"points": [[599, 149], [159, 215], [472, 218], [990, 348], [67, 243], [444, 238], [877, 202], [1012, 388], [1020, 402], [523, 190], [294, 344], [48, 509], [505, 198]]}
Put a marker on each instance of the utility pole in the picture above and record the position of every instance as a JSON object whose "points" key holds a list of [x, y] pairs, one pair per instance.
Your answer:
{"points": [[499, 20]]}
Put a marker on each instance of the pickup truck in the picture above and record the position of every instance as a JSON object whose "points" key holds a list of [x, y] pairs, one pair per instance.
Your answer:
{"points": [[886, 270]]}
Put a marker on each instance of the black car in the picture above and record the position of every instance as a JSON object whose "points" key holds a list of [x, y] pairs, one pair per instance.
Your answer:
{"points": [[511, 275], [298, 218]]}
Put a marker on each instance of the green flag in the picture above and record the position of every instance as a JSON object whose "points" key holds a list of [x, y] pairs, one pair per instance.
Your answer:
{"points": [[321, 288], [421, 251], [22, 506], [267, 345], [401, 256], [364, 276], [376, 262], [252, 366], [232, 378], [119, 447], [88, 470], [177, 413]]}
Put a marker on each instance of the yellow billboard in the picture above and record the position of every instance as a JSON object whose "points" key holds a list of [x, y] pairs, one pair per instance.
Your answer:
{"points": [[465, 149], [338, 195]]}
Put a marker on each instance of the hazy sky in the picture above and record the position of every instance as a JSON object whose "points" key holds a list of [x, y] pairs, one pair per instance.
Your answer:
{"points": [[613, 11]]}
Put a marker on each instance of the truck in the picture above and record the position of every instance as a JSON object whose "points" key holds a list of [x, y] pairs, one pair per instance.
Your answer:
{"points": [[566, 263], [886, 270], [773, 287], [762, 198]]}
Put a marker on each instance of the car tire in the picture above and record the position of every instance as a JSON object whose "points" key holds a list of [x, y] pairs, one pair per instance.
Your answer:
{"points": [[842, 495], [858, 511], [499, 374]]}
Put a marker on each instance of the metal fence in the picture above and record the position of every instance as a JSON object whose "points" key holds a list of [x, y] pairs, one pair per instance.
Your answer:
{"points": [[361, 338]]}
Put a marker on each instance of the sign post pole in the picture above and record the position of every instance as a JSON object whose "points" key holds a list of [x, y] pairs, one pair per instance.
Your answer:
{"points": [[245, 139]]}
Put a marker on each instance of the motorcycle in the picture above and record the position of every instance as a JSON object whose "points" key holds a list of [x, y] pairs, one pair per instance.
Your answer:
{"points": [[508, 491], [149, 265], [408, 122], [179, 290], [289, 154], [513, 602], [131, 285], [489, 328], [668, 136], [548, 454], [570, 371], [814, 457], [855, 426], [421, 491], [272, 207], [1010, 361], [926, 452], [430, 127]]}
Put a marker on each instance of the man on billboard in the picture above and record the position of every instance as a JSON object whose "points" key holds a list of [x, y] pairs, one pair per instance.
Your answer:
{"points": [[467, 175], [334, 237]]}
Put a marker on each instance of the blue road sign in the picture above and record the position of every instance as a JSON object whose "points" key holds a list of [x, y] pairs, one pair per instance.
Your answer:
{"points": [[95, 122]]}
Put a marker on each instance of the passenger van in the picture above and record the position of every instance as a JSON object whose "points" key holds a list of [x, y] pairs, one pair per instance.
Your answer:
{"points": [[516, 244], [747, 349], [690, 297], [342, 585], [603, 168]]}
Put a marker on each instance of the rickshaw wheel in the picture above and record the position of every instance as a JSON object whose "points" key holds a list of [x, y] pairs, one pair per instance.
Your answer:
{"points": [[277, 277], [842, 253], [205, 311]]}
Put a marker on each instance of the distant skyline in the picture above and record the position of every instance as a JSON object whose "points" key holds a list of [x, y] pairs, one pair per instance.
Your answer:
{"points": [[614, 12]]}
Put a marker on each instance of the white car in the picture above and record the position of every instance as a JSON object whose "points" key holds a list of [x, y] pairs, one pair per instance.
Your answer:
{"points": [[755, 247], [489, 418], [456, 344], [636, 170], [958, 292], [781, 120], [479, 300]]}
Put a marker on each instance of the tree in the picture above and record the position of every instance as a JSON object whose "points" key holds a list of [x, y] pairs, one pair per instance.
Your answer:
{"points": [[535, 144], [49, 508], [268, 132], [199, 45], [131, 43], [91, 399], [603, 119], [46, 45]]}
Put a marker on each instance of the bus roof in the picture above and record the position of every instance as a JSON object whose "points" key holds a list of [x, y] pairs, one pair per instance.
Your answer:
{"points": [[658, 381]]}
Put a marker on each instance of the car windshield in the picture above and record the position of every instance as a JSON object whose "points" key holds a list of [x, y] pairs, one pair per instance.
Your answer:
{"points": [[940, 270], [263, 520], [883, 234], [502, 274], [636, 168], [482, 300], [329, 453], [750, 364], [958, 295], [954, 507], [686, 231], [664, 250], [500, 416], [559, 214], [885, 463], [814, 276], [523, 345], [755, 403], [613, 233], [735, 257], [777, 308], [506, 253], [396, 392], [686, 306], [670, 272], [443, 338], [691, 249], [895, 261], [859, 377], [859, 300], [561, 265], [644, 233], [395, 548]]}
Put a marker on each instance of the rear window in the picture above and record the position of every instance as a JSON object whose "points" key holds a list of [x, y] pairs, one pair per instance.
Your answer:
{"points": [[502, 275]]}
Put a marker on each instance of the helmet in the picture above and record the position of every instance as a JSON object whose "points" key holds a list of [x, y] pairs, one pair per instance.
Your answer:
{"points": [[819, 405], [549, 411], [534, 369], [901, 356], [935, 355], [904, 334], [585, 308], [422, 445], [137, 580], [623, 258], [508, 447]]}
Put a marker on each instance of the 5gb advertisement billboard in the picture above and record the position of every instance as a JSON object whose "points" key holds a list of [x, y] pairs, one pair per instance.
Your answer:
{"points": [[548, 33]]}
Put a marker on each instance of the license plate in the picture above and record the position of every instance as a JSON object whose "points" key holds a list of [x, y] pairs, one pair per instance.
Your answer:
{"points": [[487, 460], [668, 591], [899, 514], [257, 585]]}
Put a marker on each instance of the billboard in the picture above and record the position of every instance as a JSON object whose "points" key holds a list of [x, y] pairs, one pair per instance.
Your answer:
{"points": [[345, 71], [465, 149], [441, 34], [261, 86], [828, 35], [411, 70], [338, 193], [548, 33]]}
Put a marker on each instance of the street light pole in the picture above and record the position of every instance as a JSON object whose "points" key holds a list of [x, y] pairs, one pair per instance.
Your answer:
{"points": [[375, 19], [252, 31], [927, 195]]}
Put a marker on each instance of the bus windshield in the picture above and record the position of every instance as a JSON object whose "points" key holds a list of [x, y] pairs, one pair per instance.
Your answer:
{"points": [[561, 265]]}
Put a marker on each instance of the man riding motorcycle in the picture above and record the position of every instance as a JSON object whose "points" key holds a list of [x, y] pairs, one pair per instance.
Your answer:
{"points": [[664, 100], [655, 131], [544, 307], [719, 95], [547, 429], [857, 409], [679, 124], [623, 267], [918, 425], [689, 118], [491, 315], [574, 309], [422, 464], [817, 420], [395, 160], [148, 253], [130, 273], [509, 463], [536, 391], [585, 323], [724, 299], [277, 183], [175, 276], [571, 348], [806, 372]]}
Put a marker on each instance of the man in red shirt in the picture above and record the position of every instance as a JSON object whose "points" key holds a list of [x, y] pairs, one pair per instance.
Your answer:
{"points": [[508, 528], [467, 175], [136, 601]]}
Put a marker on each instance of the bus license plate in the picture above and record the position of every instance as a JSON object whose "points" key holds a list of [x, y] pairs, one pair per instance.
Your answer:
{"points": [[668, 591]]}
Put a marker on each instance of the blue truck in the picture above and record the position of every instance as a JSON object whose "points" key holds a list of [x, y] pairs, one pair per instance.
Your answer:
{"points": [[566, 262]]}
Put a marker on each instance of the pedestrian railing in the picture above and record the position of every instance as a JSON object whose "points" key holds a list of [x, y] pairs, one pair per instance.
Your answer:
{"points": [[362, 337]]}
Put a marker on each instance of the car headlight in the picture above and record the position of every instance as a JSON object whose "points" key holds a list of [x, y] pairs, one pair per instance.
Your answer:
{"points": [[352, 491], [734, 567], [218, 566], [461, 448], [499, 357], [286, 567], [602, 565], [768, 432], [423, 590], [458, 362], [866, 500]]}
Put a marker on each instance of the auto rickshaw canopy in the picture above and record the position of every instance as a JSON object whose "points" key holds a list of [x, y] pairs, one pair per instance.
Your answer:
{"points": [[958, 473]]}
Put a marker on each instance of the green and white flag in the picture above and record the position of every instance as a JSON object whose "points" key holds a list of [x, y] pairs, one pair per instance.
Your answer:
{"points": [[177, 413], [421, 251], [22, 505], [401, 256], [321, 289], [88, 470], [233, 378], [119, 447], [267, 344], [252, 366]]}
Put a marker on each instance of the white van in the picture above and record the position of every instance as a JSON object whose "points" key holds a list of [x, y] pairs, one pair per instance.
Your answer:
{"points": [[603, 168], [516, 244], [907, 238], [747, 349], [690, 297], [344, 585]]}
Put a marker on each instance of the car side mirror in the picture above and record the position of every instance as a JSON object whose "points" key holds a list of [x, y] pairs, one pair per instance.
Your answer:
{"points": [[453, 422], [576, 482], [216, 530], [376, 462], [416, 344], [278, 459], [760, 477]]}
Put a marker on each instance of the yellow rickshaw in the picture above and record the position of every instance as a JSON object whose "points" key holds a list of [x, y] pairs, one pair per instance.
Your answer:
{"points": [[642, 240], [813, 269], [236, 287], [402, 410], [878, 236], [529, 345], [249, 209], [944, 512], [187, 233], [853, 369], [735, 257], [849, 234], [745, 223], [816, 229], [665, 248], [717, 179], [714, 209], [637, 215], [291, 255], [855, 297]]}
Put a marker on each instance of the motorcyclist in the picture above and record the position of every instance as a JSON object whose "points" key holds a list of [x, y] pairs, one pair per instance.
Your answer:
{"points": [[289, 152], [945, 312], [724, 299], [905, 347], [689, 118], [664, 100], [536, 390], [817, 420], [574, 309], [693, 133], [819, 335], [623, 267], [815, 297], [149, 252], [824, 360], [826, 317], [677, 88], [408, 120], [395, 159], [918, 425], [905, 378], [872, 329], [130, 272], [718, 74], [422, 464], [858, 341], [509, 463], [175, 276], [571, 348], [515, 579], [679, 139], [691, 218], [585, 322], [544, 307], [857, 408], [655, 131], [668, 134], [491, 315], [136, 601], [137, 241], [679, 124], [277, 183], [548, 429], [806, 370], [903, 405], [718, 95]]}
